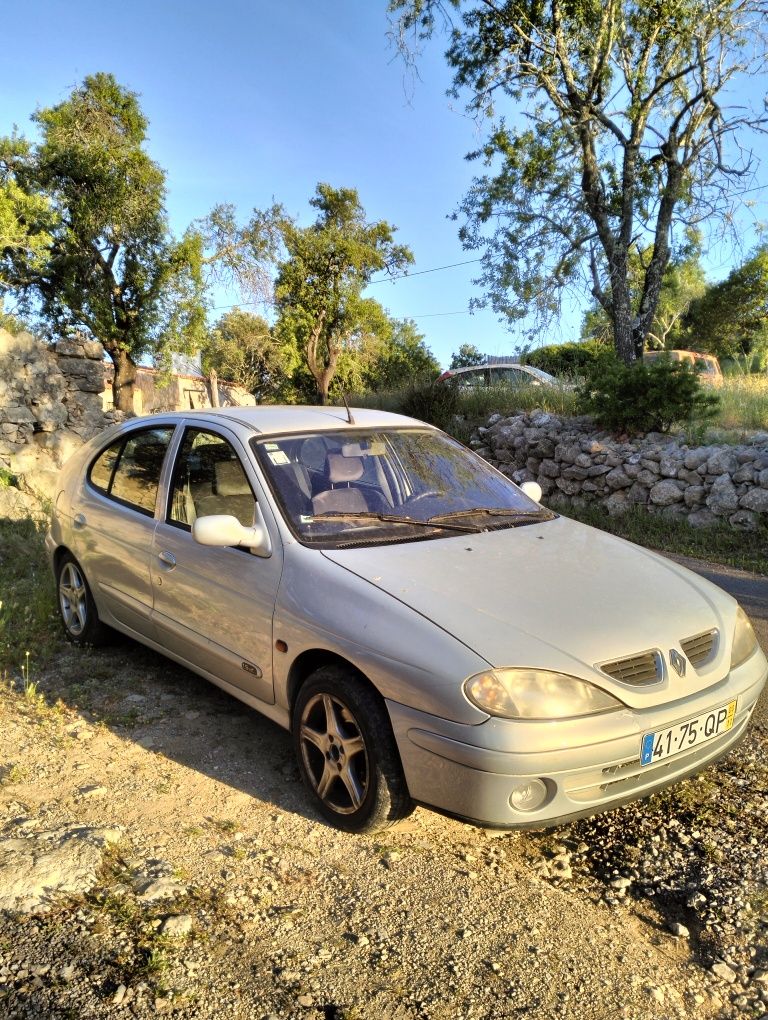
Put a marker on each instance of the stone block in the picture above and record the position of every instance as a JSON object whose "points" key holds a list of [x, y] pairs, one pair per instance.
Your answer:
{"points": [[665, 493], [756, 500], [723, 498]]}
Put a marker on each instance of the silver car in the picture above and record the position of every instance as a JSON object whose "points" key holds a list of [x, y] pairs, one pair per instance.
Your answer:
{"points": [[425, 630]]}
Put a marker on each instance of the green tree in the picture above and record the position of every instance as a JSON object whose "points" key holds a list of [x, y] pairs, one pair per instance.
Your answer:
{"points": [[112, 268], [26, 216], [683, 282], [618, 138], [401, 358], [467, 356], [731, 318], [243, 348], [322, 275]]}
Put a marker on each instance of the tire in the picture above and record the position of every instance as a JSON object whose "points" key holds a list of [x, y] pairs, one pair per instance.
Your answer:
{"points": [[77, 609], [346, 752]]}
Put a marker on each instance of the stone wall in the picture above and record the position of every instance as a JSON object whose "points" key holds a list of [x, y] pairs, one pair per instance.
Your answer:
{"points": [[570, 458], [50, 403], [53, 399]]}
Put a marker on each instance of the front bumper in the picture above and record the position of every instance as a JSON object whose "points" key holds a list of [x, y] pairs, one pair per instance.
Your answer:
{"points": [[588, 765]]}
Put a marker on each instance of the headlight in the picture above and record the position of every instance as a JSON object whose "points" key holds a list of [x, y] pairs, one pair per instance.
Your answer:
{"points": [[744, 639], [536, 694]]}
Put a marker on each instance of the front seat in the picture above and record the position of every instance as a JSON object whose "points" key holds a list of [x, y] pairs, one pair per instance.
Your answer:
{"points": [[341, 497]]}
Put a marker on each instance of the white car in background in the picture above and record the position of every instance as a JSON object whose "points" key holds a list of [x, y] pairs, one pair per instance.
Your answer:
{"points": [[425, 630], [510, 374]]}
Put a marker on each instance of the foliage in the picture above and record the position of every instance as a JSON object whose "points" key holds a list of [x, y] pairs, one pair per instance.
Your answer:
{"points": [[243, 349], [111, 268], [26, 215], [322, 275], [571, 359], [467, 356], [401, 355], [731, 318], [645, 397], [432, 402], [683, 282], [27, 599], [617, 138], [745, 550]]}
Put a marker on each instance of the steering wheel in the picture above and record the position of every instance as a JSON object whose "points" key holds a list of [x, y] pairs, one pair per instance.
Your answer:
{"points": [[424, 495]]}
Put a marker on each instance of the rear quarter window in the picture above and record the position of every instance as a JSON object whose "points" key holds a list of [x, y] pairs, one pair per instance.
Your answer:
{"points": [[128, 471]]}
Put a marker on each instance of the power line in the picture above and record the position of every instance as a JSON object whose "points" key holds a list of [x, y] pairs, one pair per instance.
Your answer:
{"points": [[435, 315], [422, 272]]}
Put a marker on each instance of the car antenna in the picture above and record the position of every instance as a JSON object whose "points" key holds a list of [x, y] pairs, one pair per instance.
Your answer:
{"points": [[350, 419]]}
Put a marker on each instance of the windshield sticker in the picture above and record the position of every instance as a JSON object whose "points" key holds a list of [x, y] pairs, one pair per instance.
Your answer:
{"points": [[278, 457]]}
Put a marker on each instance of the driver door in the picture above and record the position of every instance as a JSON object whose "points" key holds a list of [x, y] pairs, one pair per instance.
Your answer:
{"points": [[213, 607]]}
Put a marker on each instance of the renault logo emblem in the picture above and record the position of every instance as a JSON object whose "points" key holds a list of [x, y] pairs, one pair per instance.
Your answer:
{"points": [[678, 661]]}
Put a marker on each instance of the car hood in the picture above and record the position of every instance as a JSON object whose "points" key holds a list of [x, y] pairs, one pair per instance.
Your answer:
{"points": [[556, 595]]}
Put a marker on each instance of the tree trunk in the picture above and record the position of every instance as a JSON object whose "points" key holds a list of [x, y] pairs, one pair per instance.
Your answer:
{"points": [[124, 380], [622, 316], [213, 381]]}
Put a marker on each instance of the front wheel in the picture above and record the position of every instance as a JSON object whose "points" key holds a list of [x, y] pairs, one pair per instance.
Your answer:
{"points": [[78, 610], [347, 753]]}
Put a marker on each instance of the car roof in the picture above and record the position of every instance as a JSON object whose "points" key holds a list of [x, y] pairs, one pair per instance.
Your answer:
{"points": [[530, 369], [276, 418]]}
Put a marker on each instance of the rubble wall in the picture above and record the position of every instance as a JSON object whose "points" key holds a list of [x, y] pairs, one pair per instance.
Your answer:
{"points": [[571, 459], [50, 403]]}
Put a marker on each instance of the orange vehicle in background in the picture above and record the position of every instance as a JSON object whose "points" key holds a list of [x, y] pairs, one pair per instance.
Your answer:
{"points": [[706, 365]]}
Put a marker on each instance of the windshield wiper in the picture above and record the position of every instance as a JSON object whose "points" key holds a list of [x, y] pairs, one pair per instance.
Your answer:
{"points": [[367, 515], [521, 516]]}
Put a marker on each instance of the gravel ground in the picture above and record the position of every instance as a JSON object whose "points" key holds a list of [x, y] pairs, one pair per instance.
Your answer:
{"points": [[218, 893]]}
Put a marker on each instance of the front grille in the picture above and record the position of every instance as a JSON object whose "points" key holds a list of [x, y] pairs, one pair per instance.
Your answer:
{"points": [[644, 668], [700, 648]]}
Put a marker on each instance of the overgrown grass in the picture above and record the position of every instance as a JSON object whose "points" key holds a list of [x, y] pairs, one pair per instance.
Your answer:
{"points": [[746, 550], [743, 404], [27, 599]]}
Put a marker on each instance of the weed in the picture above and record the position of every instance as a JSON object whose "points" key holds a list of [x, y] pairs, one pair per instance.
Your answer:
{"points": [[27, 600], [747, 550], [224, 825], [10, 774]]}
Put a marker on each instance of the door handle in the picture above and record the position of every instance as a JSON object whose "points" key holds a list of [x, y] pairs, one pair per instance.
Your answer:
{"points": [[168, 559], [79, 521]]}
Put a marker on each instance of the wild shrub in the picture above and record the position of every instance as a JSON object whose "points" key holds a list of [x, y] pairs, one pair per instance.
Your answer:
{"points": [[569, 359], [433, 402], [645, 397]]}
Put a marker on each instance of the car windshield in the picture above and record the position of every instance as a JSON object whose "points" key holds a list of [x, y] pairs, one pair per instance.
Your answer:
{"points": [[370, 487]]}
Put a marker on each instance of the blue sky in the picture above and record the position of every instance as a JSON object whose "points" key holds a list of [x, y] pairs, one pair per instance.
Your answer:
{"points": [[250, 102]]}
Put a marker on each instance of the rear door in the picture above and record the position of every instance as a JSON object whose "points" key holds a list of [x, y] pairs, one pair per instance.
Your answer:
{"points": [[113, 520], [212, 606]]}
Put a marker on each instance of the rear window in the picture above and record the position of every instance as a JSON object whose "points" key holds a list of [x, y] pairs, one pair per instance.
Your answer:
{"points": [[129, 469]]}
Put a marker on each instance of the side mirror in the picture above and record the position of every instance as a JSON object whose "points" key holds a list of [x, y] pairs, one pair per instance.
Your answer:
{"points": [[223, 530], [532, 490]]}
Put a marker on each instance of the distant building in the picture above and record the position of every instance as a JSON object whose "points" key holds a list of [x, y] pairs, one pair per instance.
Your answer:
{"points": [[157, 391]]}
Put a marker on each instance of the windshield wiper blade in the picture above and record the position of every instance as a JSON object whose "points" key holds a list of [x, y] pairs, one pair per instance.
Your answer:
{"points": [[364, 515], [542, 514]]}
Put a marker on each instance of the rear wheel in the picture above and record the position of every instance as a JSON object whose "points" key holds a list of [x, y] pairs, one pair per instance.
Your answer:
{"points": [[347, 753], [78, 610]]}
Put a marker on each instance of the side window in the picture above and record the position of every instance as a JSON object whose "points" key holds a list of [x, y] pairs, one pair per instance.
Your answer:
{"points": [[129, 469], [208, 479]]}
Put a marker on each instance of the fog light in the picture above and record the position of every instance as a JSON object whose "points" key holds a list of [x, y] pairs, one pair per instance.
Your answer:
{"points": [[528, 796]]}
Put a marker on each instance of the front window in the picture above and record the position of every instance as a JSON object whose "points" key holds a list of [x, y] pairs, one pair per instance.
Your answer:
{"points": [[371, 487], [208, 478]]}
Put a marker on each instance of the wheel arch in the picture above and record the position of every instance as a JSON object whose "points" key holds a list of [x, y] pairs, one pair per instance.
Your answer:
{"points": [[312, 659]]}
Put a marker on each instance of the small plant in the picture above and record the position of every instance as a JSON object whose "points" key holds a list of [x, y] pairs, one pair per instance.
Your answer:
{"points": [[645, 397], [432, 402]]}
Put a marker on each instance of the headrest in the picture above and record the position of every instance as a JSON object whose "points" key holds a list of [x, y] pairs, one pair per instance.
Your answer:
{"points": [[230, 479], [344, 469]]}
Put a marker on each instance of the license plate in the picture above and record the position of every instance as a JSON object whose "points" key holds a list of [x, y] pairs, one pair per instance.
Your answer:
{"points": [[663, 744]]}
